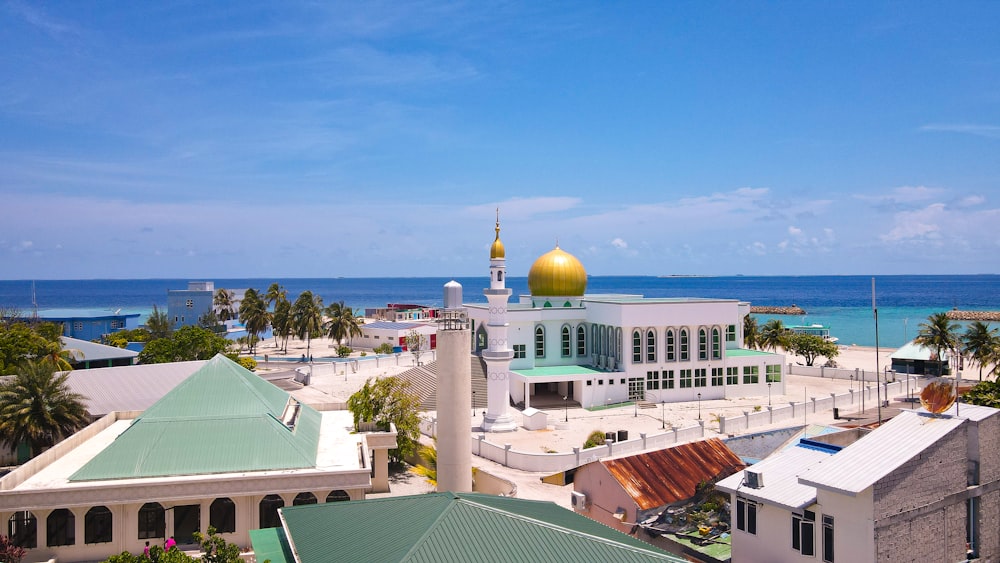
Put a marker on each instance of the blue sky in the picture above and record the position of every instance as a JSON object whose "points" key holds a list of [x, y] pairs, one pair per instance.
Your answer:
{"points": [[315, 139]]}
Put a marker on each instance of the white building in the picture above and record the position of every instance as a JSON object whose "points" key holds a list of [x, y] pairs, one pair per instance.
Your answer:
{"points": [[603, 349]]}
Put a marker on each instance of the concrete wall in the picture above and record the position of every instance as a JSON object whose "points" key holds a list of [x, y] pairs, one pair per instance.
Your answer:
{"points": [[604, 497]]}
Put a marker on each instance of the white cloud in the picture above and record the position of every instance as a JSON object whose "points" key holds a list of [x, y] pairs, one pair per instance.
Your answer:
{"points": [[794, 231], [989, 131], [971, 201], [619, 243]]}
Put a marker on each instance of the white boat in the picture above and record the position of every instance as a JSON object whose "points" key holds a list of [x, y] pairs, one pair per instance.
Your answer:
{"points": [[815, 330]]}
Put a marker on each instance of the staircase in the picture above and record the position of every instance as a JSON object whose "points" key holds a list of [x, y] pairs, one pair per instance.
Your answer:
{"points": [[423, 383]]}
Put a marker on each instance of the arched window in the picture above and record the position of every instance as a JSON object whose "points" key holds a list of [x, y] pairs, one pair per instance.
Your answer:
{"points": [[716, 344], [152, 521], [617, 349], [594, 338], [539, 341], [22, 529], [566, 347], [60, 528], [222, 515], [269, 506], [671, 345], [567, 304], [636, 347], [499, 275], [481, 336], [651, 346], [337, 496], [702, 344], [685, 356], [581, 341], [97, 525], [304, 498]]}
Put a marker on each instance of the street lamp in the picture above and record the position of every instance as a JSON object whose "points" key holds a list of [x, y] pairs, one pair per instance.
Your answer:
{"points": [[768, 393], [566, 408], [473, 403], [663, 418], [635, 407], [699, 406]]}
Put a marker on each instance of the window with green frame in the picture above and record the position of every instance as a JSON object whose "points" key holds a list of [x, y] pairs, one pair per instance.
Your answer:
{"points": [[668, 379], [731, 333], [671, 351], [652, 380], [702, 344], [566, 346], [520, 351], [751, 374], [636, 347], [716, 377], [651, 346], [684, 345], [773, 373], [700, 378], [539, 341], [581, 341], [685, 379], [732, 376], [716, 345]]}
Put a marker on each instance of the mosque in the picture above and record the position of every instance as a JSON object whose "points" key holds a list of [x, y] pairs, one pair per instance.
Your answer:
{"points": [[595, 350]]}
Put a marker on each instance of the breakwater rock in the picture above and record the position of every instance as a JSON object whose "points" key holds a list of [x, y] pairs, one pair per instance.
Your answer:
{"points": [[766, 310], [957, 315]]}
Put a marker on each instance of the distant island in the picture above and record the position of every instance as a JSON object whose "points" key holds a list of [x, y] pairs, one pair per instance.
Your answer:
{"points": [[769, 310]]}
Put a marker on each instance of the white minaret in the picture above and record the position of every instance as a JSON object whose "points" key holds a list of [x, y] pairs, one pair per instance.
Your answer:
{"points": [[454, 390], [498, 352]]}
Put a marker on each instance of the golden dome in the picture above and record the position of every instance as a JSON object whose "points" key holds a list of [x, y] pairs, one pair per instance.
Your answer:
{"points": [[557, 273], [497, 251]]}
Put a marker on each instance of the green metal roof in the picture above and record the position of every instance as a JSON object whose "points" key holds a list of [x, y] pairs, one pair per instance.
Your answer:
{"points": [[271, 544], [548, 371], [456, 527], [743, 352], [221, 419]]}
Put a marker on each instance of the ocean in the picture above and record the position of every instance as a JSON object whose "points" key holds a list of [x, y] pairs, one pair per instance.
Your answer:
{"points": [[844, 303]]}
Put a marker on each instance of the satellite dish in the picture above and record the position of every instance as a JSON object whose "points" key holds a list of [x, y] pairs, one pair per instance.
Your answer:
{"points": [[938, 395]]}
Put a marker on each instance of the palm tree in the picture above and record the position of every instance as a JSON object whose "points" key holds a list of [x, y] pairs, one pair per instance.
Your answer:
{"points": [[751, 333], [341, 322], [938, 333], [59, 356], [223, 302], [274, 294], [773, 335], [254, 315], [978, 343], [159, 324], [37, 407], [307, 317], [281, 322]]}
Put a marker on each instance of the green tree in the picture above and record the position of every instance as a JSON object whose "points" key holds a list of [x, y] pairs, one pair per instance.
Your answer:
{"points": [[281, 322], [188, 343], [751, 333], [307, 317], [19, 343], [388, 400], [939, 333], [985, 393], [341, 322], [159, 324], [37, 407], [980, 343], [254, 316], [275, 294], [773, 335], [223, 302], [121, 338], [416, 343], [810, 346]]}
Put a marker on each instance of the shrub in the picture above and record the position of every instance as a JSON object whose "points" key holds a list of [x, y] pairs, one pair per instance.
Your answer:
{"points": [[385, 348], [344, 351], [248, 362], [596, 438]]}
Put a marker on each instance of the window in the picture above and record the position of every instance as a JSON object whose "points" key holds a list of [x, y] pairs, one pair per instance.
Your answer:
{"points": [[304, 498], [668, 379], [481, 338], [595, 340], [97, 525], [699, 377], [828, 539], [652, 380], [750, 374], [78, 325], [115, 323], [152, 522], [337, 496], [702, 344], [222, 515], [651, 346], [581, 341], [732, 376], [22, 529], [671, 350], [590, 382], [189, 303], [685, 379], [716, 345], [803, 532], [268, 513], [746, 515], [520, 351], [566, 345], [731, 333], [622, 381], [716, 377], [684, 345], [539, 341], [600, 382], [636, 347], [60, 528], [772, 373]]}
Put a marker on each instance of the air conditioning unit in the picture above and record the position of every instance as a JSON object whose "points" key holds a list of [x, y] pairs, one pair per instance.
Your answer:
{"points": [[578, 500], [753, 479]]}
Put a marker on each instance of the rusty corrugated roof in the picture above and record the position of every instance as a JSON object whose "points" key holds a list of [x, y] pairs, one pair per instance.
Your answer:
{"points": [[655, 479]]}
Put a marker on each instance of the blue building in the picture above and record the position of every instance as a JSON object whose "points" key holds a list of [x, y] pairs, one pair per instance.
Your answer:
{"points": [[88, 324], [185, 306]]}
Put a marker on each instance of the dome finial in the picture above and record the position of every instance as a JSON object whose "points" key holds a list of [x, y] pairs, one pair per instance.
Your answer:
{"points": [[497, 250]]}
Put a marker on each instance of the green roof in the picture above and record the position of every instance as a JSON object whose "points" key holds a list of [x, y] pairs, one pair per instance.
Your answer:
{"points": [[743, 352], [456, 527], [548, 371], [221, 419], [271, 544]]}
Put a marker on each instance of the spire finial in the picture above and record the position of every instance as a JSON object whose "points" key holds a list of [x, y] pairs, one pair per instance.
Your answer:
{"points": [[498, 223]]}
